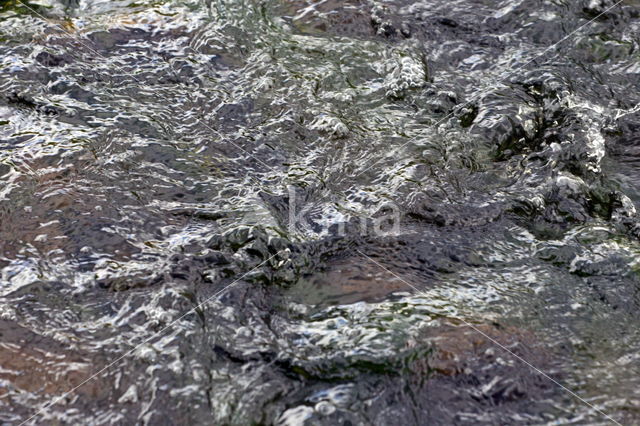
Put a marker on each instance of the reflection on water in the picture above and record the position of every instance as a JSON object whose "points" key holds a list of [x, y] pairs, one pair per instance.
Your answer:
{"points": [[152, 153]]}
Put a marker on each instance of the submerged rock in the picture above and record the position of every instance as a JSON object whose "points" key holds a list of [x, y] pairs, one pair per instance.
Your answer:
{"points": [[147, 158]]}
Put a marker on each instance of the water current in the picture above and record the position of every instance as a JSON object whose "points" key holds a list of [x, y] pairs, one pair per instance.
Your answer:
{"points": [[319, 212]]}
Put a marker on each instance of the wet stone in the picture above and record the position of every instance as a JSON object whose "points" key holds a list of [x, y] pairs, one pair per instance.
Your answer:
{"points": [[150, 188], [53, 60]]}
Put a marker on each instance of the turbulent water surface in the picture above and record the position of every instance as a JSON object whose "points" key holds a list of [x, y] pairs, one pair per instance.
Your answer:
{"points": [[397, 212]]}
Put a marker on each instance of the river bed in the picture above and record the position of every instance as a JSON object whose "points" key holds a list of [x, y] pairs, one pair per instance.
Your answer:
{"points": [[319, 212]]}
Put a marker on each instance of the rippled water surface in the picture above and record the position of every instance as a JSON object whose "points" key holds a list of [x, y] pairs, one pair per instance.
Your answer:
{"points": [[155, 155]]}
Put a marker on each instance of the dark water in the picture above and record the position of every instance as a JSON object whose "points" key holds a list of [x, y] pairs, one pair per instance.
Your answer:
{"points": [[152, 154]]}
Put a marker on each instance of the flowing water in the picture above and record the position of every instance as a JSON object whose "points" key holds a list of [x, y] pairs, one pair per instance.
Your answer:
{"points": [[155, 155]]}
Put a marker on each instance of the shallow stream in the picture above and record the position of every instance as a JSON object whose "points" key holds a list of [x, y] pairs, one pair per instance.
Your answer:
{"points": [[319, 212]]}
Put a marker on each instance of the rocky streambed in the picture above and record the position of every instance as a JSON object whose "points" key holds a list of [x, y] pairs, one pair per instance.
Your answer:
{"points": [[319, 212]]}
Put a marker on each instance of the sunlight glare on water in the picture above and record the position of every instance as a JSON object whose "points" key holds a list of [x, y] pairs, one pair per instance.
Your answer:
{"points": [[154, 152]]}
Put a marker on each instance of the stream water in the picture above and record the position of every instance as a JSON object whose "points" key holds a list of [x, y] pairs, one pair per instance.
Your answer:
{"points": [[319, 212]]}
